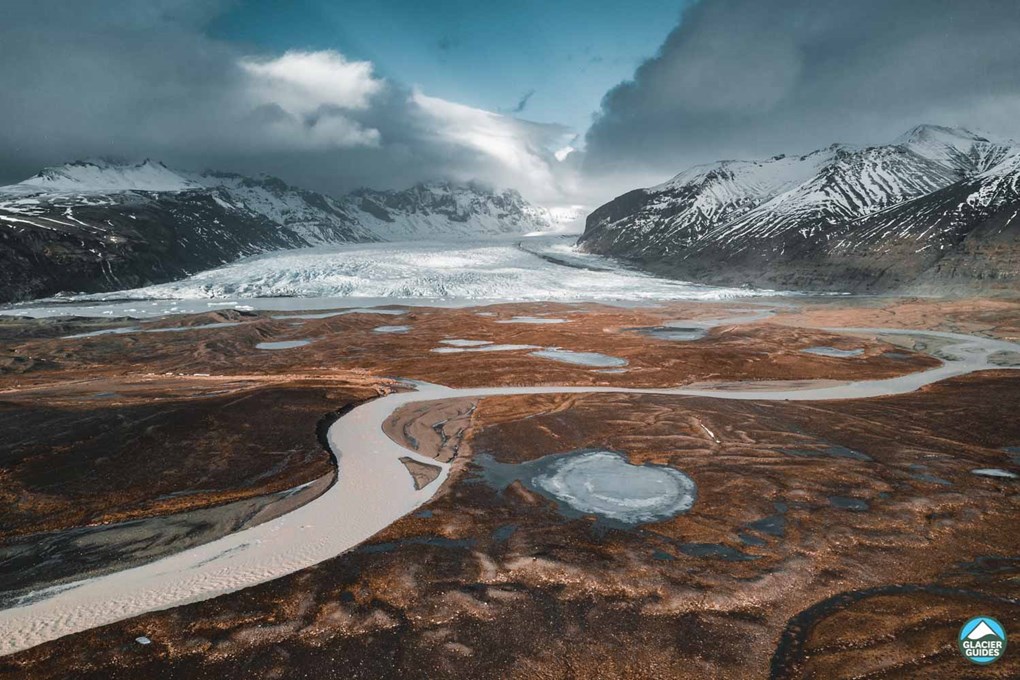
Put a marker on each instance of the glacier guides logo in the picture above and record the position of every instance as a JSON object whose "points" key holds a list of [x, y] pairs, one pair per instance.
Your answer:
{"points": [[982, 640]]}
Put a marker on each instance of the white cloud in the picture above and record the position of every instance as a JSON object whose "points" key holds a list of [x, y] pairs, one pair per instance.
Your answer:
{"points": [[304, 99], [517, 152], [303, 82], [562, 153]]}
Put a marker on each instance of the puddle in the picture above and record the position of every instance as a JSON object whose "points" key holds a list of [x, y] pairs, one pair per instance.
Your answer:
{"points": [[580, 358], [358, 310], [502, 534], [460, 342], [828, 452], [533, 319], [1013, 452], [105, 331], [921, 474], [282, 344], [772, 525], [482, 348], [750, 539], [848, 503], [600, 483], [391, 329], [833, 352], [995, 472], [676, 333], [611, 370]]}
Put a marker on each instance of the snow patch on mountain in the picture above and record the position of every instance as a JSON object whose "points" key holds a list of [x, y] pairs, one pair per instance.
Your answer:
{"points": [[956, 148], [99, 176]]}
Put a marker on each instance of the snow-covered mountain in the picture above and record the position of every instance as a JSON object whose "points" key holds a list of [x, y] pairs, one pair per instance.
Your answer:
{"points": [[964, 151], [818, 220], [101, 176], [100, 225], [444, 209]]}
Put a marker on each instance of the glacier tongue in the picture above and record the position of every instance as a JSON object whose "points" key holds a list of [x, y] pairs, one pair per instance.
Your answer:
{"points": [[482, 270]]}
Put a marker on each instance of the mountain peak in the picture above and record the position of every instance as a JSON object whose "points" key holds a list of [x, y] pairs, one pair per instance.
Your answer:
{"points": [[927, 132], [108, 175], [956, 148]]}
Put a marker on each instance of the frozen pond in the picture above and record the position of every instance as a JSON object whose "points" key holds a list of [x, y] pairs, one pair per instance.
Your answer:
{"points": [[834, 352], [580, 358], [105, 331], [533, 319], [391, 329], [282, 344], [678, 333], [482, 348], [995, 472], [600, 483], [461, 342], [848, 503]]}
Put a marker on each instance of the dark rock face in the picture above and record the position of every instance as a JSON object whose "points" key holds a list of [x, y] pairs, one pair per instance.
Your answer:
{"points": [[141, 239], [937, 211]]}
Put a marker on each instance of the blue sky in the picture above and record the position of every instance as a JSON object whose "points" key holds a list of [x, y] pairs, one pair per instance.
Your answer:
{"points": [[487, 54]]}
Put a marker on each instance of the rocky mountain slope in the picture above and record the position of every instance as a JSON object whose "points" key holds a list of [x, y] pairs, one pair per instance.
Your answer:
{"points": [[94, 226], [936, 209]]}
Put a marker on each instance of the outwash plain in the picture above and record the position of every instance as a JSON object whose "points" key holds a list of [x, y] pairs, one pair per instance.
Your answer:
{"points": [[853, 493]]}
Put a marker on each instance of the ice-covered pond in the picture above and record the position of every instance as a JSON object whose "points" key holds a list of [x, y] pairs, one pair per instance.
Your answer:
{"points": [[282, 344], [580, 358], [600, 483]]}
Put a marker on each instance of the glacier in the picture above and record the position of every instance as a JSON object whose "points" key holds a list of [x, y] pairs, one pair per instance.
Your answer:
{"points": [[422, 273]]}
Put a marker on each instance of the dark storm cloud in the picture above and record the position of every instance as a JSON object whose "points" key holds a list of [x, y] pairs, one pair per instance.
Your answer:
{"points": [[741, 78], [142, 79]]}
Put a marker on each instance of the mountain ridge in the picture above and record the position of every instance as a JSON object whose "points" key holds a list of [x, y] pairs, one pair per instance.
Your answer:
{"points": [[815, 222]]}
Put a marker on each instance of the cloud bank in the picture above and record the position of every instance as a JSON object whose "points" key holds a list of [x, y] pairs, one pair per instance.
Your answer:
{"points": [[751, 78], [128, 79], [735, 78]]}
